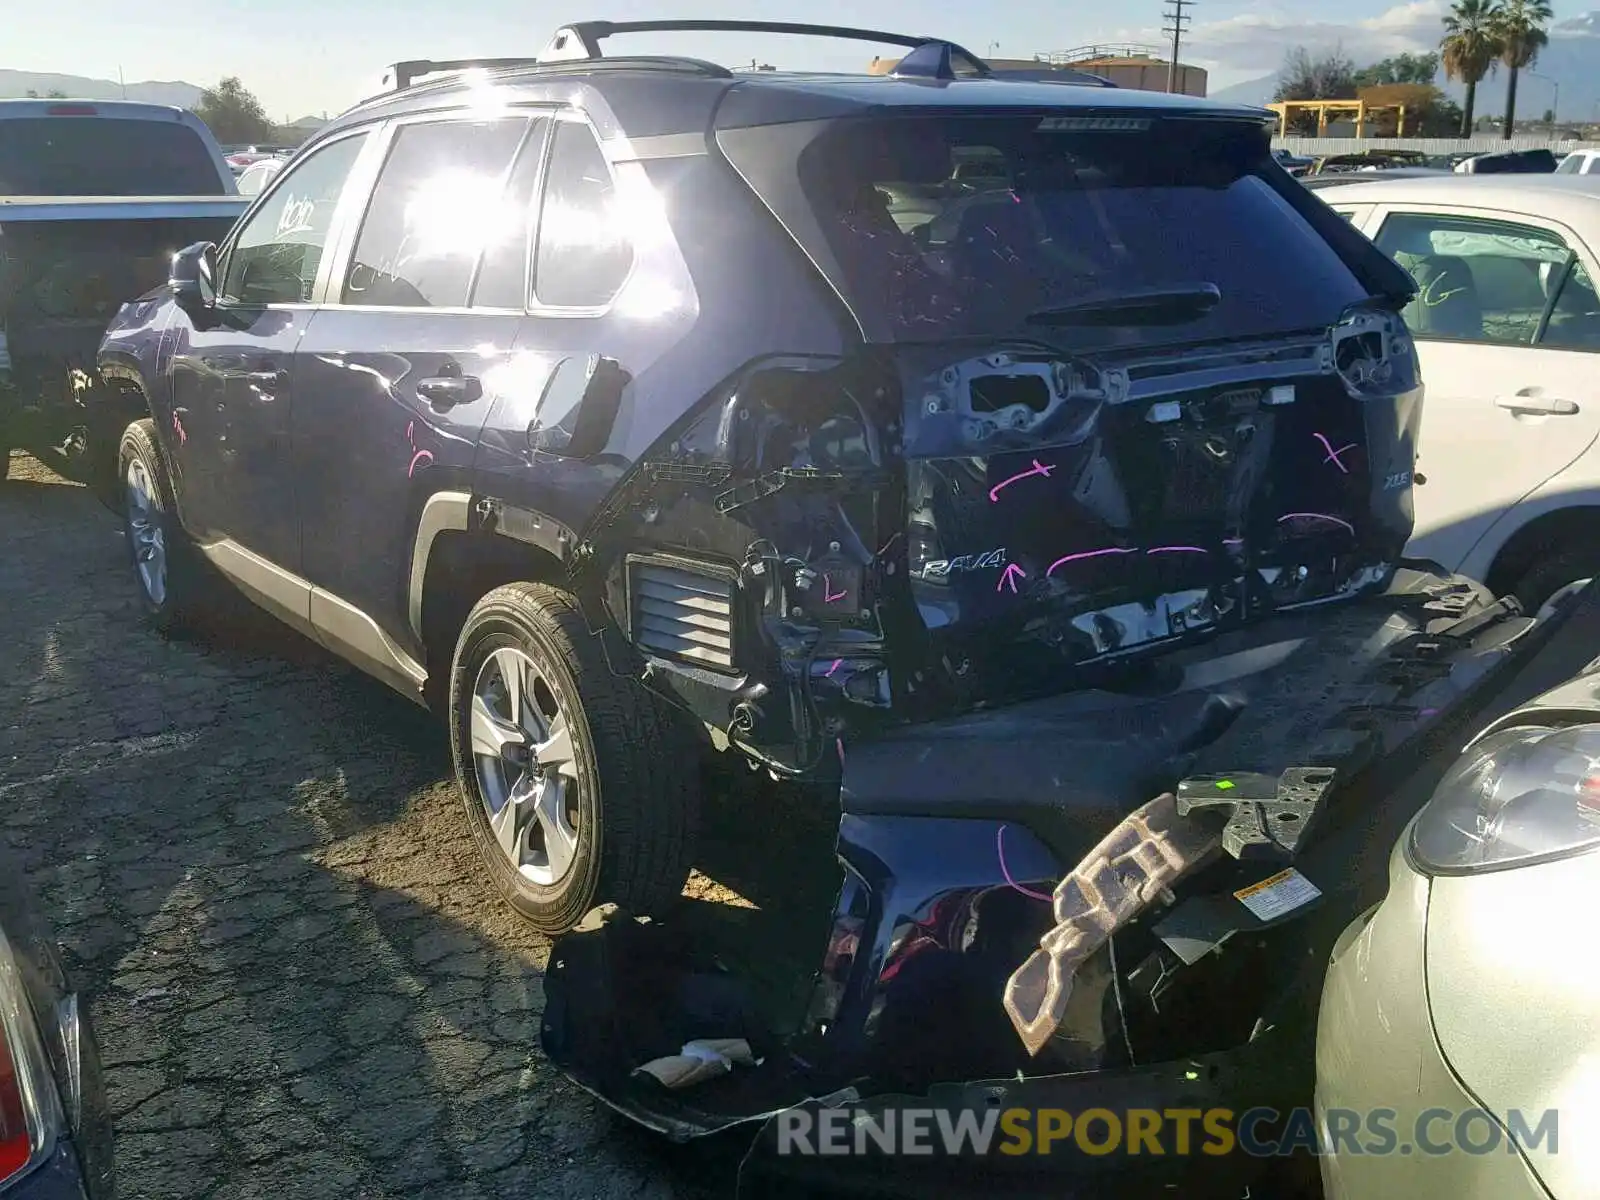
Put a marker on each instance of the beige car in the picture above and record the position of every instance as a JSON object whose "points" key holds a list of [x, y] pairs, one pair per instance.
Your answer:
{"points": [[1458, 1050]]}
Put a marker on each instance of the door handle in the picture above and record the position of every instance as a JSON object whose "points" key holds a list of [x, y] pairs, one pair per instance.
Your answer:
{"points": [[1543, 406], [444, 392]]}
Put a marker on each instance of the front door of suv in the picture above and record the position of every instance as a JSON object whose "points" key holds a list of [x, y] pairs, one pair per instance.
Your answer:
{"points": [[231, 375], [1507, 330], [391, 378]]}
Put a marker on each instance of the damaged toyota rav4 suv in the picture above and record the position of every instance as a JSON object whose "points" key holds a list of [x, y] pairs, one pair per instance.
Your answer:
{"points": [[1027, 464]]}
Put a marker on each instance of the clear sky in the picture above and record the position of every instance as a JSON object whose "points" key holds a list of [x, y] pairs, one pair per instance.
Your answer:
{"points": [[308, 56]]}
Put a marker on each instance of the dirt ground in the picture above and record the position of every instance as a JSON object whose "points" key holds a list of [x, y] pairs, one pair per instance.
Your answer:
{"points": [[254, 860]]}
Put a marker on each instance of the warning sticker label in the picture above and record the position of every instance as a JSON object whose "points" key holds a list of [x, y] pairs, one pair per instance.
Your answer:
{"points": [[1278, 894]]}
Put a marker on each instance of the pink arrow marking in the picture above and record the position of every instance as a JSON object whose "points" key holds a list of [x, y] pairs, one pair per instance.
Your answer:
{"points": [[420, 459], [829, 596], [1333, 455], [1317, 517], [836, 665], [1010, 575], [1062, 561], [177, 428], [1038, 468]]}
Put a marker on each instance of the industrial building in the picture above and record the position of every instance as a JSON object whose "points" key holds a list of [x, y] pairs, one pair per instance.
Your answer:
{"points": [[1126, 65]]}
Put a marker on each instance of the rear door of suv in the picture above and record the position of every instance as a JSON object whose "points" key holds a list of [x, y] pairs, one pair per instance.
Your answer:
{"points": [[392, 387]]}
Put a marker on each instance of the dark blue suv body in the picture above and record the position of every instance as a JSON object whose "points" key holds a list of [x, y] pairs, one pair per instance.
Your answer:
{"points": [[989, 451]]}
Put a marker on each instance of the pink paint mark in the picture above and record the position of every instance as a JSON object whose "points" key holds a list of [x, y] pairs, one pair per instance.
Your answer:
{"points": [[1082, 554], [411, 432], [177, 428], [1176, 550], [1333, 455], [1000, 853], [1038, 468], [887, 544], [1317, 517], [828, 674], [1233, 541], [420, 459], [829, 596], [1010, 575], [838, 744], [1429, 712]]}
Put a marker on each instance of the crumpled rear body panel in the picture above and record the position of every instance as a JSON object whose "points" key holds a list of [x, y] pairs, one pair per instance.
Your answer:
{"points": [[959, 840]]}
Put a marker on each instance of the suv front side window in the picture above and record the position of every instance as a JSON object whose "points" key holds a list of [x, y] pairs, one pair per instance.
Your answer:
{"points": [[439, 205], [275, 257], [583, 251], [1477, 280]]}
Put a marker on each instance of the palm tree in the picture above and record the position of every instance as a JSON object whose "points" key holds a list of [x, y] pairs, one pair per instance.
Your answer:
{"points": [[1519, 28], [1470, 48]]}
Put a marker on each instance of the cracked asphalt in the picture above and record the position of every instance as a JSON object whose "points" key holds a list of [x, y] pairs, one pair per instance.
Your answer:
{"points": [[253, 859]]}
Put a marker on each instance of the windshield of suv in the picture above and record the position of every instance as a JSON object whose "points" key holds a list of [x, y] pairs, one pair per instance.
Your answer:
{"points": [[104, 156], [962, 226]]}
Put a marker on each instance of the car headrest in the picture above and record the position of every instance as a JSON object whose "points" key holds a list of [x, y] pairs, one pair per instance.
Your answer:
{"points": [[1409, 238]]}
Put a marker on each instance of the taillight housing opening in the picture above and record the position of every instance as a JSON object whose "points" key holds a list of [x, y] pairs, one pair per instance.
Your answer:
{"points": [[30, 1108]]}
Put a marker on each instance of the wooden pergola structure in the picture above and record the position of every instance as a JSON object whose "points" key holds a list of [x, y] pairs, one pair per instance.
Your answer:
{"points": [[1362, 110]]}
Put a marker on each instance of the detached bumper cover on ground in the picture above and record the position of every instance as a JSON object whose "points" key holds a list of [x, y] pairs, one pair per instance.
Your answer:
{"points": [[954, 836]]}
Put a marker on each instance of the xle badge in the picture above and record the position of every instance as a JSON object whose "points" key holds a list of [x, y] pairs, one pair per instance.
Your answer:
{"points": [[943, 568]]}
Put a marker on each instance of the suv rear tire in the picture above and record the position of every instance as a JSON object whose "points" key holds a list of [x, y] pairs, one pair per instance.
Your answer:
{"points": [[169, 572], [579, 788]]}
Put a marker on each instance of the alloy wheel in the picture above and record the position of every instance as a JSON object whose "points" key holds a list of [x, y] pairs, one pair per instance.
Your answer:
{"points": [[523, 755], [145, 533]]}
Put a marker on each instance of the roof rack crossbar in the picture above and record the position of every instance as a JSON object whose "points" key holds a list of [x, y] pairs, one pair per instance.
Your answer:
{"points": [[582, 41]]}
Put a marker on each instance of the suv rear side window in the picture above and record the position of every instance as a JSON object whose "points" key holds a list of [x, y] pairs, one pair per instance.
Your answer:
{"points": [[440, 203], [584, 253], [275, 257], [961, 226], [105, 156]]}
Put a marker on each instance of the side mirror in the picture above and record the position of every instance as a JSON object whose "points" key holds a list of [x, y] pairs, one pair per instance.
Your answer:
{"points": [[579, 407], [192, 278]]}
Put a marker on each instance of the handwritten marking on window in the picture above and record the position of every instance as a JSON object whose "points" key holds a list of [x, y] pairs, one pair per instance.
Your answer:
{"points": [[829, 596], [1038, 468], [296, 217], [419, 458], [1333, 455], [1010, 575], [177, 428]]}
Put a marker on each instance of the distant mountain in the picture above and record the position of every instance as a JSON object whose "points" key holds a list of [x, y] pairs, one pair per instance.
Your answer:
{"points": [[15, 84], [1252, 91], [1569, 65]]}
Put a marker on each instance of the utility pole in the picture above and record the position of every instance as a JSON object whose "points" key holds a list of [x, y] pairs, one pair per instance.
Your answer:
{"points": [[1177, 18]]}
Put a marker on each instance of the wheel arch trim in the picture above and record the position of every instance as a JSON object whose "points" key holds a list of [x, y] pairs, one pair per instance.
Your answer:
{"points": [[442, 512]]}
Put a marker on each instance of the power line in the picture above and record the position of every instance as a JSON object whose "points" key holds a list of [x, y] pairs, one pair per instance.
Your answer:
{"points": [[1177, 19]]}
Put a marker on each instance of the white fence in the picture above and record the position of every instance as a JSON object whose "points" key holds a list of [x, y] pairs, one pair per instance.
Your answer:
{"points": [[1484, 143]]}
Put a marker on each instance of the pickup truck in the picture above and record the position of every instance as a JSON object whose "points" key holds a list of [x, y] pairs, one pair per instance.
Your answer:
{"points": [[94, 199]]}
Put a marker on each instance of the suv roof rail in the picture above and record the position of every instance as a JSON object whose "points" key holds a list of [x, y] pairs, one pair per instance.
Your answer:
{"points": [[403, 75], [930, 57]]}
